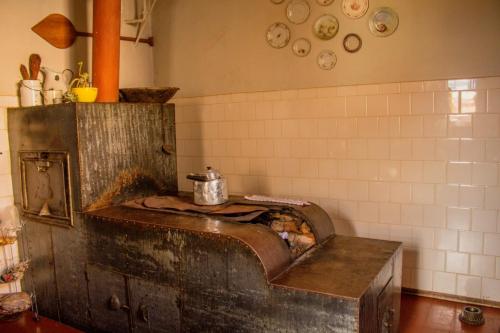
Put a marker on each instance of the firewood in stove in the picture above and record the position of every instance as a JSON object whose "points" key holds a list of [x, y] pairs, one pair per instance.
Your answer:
{"points": [[304, 228], [282, 217], [304, 241], [288, 226], [277, 226]]}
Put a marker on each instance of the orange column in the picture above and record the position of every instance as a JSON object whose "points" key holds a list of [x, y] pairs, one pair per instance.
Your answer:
{"points": [[106, 49]]}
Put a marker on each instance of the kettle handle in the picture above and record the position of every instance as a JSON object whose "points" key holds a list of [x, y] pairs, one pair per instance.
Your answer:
{"points": [[196, 177]]}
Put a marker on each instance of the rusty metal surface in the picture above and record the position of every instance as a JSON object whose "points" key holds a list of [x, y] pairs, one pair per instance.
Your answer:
{"points": [[70, 251], [121, 151], [41, 273], [342, 266], [217, 284], [266, 244], [116, 150], [194, 274], [59, 254], [43, 129], [57, 273], [45, 180], [397, 284]]}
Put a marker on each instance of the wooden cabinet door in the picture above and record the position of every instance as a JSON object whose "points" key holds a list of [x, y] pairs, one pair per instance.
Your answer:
{"points": [[108, 298], [154, 307]]}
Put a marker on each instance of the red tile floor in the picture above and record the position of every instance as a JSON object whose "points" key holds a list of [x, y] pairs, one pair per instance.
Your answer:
{"points": [[418, 314], [426, 315], [26, 324]]}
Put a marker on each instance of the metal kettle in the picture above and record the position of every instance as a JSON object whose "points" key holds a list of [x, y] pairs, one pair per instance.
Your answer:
{"points": [[209, 187]]}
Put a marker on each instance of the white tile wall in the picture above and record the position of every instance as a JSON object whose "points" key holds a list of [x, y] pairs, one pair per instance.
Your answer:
{"points": [[9, 253], [413, 161]]}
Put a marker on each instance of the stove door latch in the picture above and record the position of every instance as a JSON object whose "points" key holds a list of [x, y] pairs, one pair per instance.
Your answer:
{"points": [[143, 313], [115, 304]]}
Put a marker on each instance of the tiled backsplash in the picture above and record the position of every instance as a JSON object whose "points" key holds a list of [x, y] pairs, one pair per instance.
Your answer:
{"points": [[416, 162], [8, 253]]}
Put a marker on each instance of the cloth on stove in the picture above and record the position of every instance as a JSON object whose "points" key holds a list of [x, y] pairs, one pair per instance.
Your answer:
{"points": [[173, 204]]}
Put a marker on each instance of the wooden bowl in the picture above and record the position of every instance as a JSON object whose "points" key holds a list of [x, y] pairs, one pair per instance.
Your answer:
{"points": [[147, 95]]}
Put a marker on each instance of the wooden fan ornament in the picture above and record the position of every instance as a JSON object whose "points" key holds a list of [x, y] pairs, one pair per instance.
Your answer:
{"points": [[58, 30]]}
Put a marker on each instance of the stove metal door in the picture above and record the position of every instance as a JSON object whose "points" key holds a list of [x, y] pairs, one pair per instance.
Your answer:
{"points": [[45, 182]]}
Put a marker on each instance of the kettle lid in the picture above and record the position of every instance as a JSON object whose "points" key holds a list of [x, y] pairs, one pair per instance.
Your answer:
{"points": [[209, 174]]}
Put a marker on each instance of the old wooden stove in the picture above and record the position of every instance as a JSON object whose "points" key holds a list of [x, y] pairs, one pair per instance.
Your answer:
{"points": [[106, 267]]}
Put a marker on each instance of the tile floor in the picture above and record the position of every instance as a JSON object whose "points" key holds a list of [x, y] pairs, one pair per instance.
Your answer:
{"points": [[418, 314], [26, 324], [428, 315]]}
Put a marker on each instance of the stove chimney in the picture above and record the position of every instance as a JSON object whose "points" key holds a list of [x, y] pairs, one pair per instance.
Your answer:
{"points": [[106, 49]]}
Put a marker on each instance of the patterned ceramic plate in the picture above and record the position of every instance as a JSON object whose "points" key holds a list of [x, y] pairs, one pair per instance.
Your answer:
{"points": [[298, 11], [301, 47], [327, 59], [325, 2], [354, 8], [383, 22], [326, 27], [352, 43], [278, 35]]}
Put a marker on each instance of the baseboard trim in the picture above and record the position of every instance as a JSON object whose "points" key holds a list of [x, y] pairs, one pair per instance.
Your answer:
{"points": [[448, 297]]}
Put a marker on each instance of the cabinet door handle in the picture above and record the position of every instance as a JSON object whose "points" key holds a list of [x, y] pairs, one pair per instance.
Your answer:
{"points": [[114, 303]]}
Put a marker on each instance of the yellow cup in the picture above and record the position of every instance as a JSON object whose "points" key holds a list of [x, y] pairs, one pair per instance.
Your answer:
{"points": [[86, 95]]}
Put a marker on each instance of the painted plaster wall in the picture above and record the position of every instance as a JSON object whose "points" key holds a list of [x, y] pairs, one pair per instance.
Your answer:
{"points": [[18, 41], [213, 47]]}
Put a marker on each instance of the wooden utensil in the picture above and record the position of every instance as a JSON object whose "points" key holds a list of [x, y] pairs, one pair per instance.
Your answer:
{"points": [[24, 72], [34, 64], [58, 30]]}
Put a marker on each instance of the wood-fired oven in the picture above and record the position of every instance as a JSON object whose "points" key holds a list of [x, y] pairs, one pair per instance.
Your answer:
{"points": [[108, 267]]}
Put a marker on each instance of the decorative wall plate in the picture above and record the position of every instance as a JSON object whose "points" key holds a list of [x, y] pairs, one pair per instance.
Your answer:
{"points": [[354, 8], [352, 43], [277, 2], [327, 59], [326, 27], [383, 22], [278, 35], [298, 11], [301, 47], [325, 2]]}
